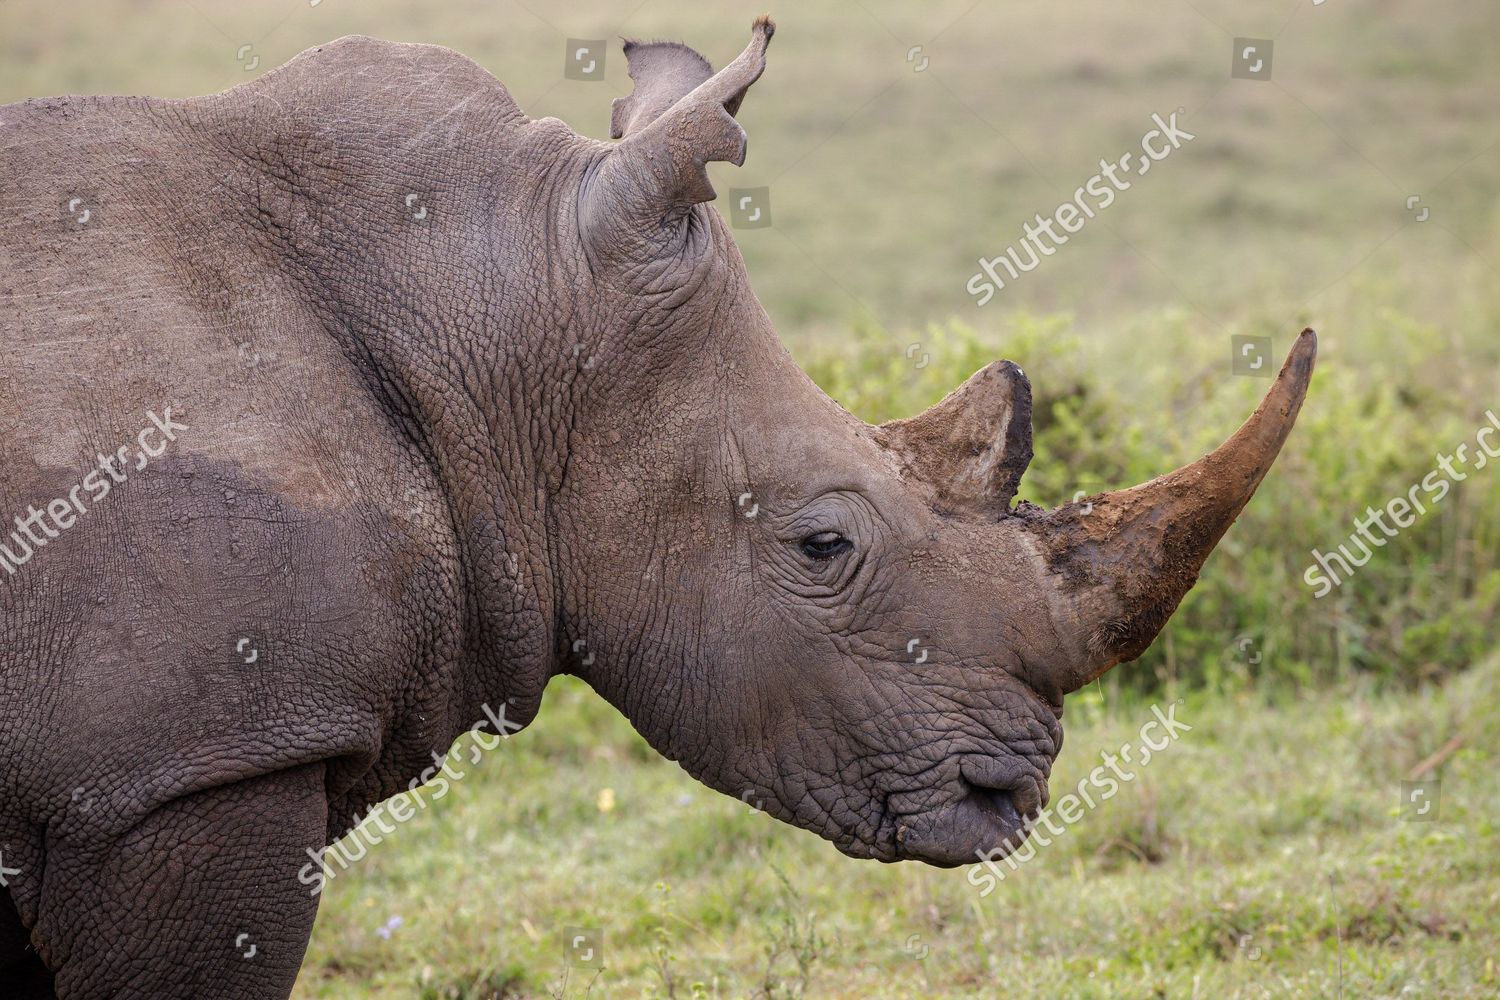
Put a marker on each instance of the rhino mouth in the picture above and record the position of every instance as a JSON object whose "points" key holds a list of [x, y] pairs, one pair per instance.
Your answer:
{"points": [[989, 816]]}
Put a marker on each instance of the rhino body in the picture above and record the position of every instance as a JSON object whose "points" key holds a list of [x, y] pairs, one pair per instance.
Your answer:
{"points": [[360, 404]]}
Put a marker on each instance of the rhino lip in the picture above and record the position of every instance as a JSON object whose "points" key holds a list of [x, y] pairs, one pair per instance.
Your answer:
{"points": [[991, 816]]}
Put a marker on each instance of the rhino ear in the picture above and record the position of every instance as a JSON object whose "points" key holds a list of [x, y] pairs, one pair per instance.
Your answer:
{"points": [[974, 445], [663, 73], [679, 117]]}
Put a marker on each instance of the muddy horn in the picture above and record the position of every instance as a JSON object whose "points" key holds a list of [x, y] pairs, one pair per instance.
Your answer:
{"points": [[1123, 560]]}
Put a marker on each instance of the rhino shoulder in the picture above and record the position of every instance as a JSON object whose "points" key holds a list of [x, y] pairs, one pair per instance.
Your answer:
{"points": [[383, 77]]}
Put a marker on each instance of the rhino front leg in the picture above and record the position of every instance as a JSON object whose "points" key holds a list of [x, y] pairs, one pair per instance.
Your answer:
{"points": [[200, 899]]}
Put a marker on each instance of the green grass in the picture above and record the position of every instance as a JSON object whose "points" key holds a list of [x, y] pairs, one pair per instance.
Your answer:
{"points": [[1250, 859]]}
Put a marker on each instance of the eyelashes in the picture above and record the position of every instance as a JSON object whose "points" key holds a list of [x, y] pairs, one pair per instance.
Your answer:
{"points": [[825, 545]]}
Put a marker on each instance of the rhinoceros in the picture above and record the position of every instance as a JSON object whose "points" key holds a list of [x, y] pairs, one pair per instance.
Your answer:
{"points": [[345, 408]]}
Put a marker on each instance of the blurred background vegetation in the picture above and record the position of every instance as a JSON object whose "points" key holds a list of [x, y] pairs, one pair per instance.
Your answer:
{"points": [[1264, 856]]}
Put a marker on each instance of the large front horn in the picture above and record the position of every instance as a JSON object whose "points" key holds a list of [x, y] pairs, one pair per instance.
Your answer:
{"points": [[1122, 561]]}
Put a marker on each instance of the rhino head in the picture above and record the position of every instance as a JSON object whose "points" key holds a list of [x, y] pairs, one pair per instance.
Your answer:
{"points": [[851, 626]]}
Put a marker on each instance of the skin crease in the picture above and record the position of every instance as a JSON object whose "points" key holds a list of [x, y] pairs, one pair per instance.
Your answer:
{"points": [[469, 401]]}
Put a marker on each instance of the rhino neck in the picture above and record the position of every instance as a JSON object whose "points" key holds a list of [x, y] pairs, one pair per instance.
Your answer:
{"points": [[484, 395], [470, 358]]}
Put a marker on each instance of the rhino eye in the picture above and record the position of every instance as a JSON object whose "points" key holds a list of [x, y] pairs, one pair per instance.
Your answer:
{"points": [[824, 545]]}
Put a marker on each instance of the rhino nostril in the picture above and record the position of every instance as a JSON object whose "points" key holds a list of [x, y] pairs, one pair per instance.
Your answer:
{"points": [[997, 801], [1030, 798], [1021, 795]]}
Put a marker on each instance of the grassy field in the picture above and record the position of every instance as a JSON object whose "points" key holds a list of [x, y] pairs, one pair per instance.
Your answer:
{"points": [[1265, 854], [1262, 855]]}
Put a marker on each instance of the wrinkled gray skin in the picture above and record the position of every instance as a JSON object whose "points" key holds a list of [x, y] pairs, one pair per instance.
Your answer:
{"points": [[425, 457]]}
